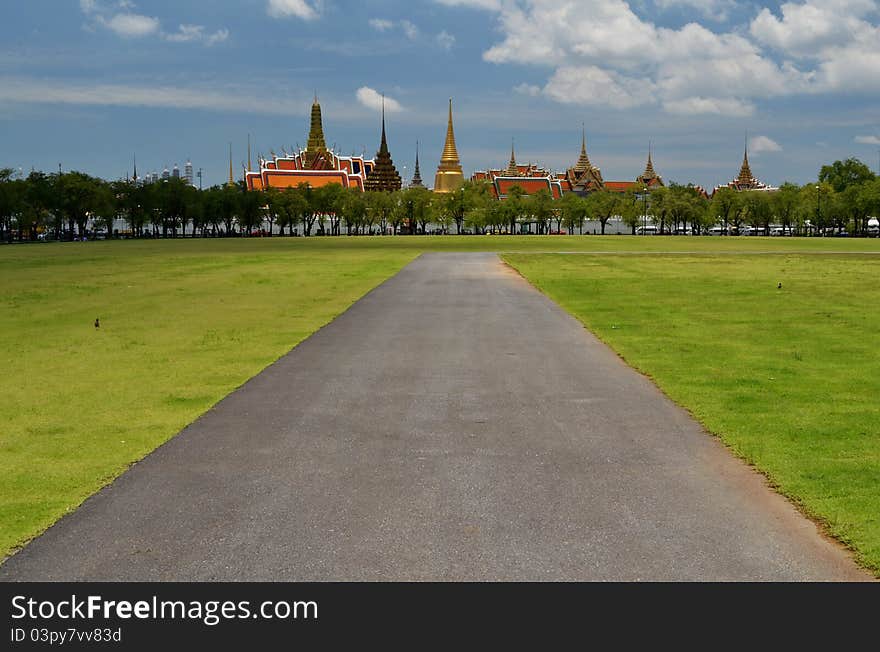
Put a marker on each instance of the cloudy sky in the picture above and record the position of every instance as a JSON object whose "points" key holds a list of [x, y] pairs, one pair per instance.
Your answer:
{"points": [[88, 83]]}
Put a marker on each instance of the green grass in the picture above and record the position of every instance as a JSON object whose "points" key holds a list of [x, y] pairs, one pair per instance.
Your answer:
{"points": [[182, 325], [186, 322], [788, 378]]}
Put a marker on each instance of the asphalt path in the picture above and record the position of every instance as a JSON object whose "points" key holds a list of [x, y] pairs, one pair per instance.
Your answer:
{"points": [[454, 424]]}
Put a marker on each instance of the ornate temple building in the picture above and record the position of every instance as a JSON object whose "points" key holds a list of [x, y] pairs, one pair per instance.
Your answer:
{"points": [[583, 177], [449, 176], [746, 180], [383, 176], [531, 178], [316, 165]]}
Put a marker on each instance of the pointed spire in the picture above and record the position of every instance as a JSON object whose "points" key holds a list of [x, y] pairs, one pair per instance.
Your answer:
{"points": [[449, 175], [134, 177], [450, 153], [649, 172], [745, 177], [316, 147], [583, 163], [417, 177], [512, 170], [384, 175], [231, 180], [249, 153]]}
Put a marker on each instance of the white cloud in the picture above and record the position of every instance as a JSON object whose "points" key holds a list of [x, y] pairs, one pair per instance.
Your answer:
{"points": [[372, 99], [868, 140], [119, 18], [758, 144], [710, 105], [602, 52], [381, 24], [297, 8], [527, 89], [411, 31], [445, 40], [130, 25], [196, 33], [593, 86]]}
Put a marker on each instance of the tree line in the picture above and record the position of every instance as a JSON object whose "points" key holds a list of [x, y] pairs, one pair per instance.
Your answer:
{"points": [[66, 206]]}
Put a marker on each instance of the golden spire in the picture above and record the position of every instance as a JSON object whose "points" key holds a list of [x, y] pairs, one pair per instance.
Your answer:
{"points": [[249, 153], [449, 175], [450, 154], [231, 180], [512, 170]]}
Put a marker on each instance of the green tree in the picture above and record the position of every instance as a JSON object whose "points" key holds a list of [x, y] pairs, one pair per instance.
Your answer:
{"points": [[602, 205], [573, 209], [840, 175], [540, 207], [784, 205]]}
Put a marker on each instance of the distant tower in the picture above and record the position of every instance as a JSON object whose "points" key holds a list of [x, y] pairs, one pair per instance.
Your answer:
{"points": [[165, 174], [316, 149], [231, 181], [175, 172], [512, 169], [188, 172], [449, 175], [134, 176], [650, 176], [384, 175], [417, 177], [745, 178]]}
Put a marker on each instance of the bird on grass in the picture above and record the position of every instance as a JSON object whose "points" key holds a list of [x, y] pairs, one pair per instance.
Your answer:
{"points": [[97, 323]]}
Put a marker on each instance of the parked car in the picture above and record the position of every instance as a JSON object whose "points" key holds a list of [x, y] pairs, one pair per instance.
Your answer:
{"points": [[647, 230]]}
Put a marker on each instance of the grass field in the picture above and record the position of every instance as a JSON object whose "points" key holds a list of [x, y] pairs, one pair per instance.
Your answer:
{"points": [[183, 323], [788, 378]]}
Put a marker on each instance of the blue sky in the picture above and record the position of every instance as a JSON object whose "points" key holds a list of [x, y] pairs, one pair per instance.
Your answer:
{"points": [[87, 83]]}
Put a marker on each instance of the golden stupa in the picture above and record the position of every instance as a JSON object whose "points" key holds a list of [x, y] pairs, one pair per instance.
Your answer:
{"points": [[449, 176]]}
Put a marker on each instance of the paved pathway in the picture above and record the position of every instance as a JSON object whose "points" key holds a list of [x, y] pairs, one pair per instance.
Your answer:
{"points": [[454, 424]]}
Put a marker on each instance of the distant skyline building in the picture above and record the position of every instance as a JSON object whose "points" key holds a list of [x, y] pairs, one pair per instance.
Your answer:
{"points": [[188, 172], [165, 174], [175, 172]]}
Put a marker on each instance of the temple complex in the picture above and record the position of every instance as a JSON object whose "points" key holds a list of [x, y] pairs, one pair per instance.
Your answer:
{"points": [[316, 165], [383, 176], [449, 176]]}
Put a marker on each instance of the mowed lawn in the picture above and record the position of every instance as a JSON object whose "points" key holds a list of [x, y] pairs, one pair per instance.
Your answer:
{"points": [[182, 325], [788, 378]]}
